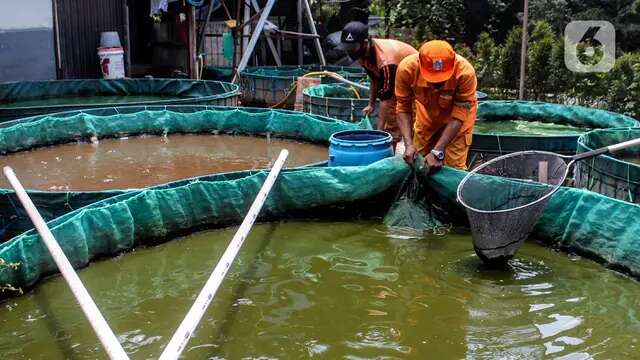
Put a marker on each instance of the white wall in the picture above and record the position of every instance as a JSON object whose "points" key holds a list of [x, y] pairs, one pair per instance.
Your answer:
{"points": [[26, 14], [26, 40]]}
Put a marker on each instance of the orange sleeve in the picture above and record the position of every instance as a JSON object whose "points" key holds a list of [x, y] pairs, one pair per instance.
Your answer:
{"points": [[465, 97], [403, 90]]}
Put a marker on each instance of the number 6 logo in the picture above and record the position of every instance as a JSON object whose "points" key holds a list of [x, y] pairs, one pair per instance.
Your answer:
{"points": [[589, 46]]}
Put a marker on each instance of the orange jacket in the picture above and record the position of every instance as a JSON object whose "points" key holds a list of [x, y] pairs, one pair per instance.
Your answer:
{"points": [[436, 107], [387, 52], [382, 61]]}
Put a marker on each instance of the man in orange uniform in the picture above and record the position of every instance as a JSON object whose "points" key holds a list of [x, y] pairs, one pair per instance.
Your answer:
{"points": [[442, 87], [380, 58]]}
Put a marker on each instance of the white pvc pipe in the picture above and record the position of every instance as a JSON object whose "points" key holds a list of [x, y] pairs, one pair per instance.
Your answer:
{"points": [[97, 321], [188, 326]]}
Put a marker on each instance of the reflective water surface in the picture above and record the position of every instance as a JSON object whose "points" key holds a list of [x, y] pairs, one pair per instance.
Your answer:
{"points": [[142, 161], [522, 127], [334, 291]]}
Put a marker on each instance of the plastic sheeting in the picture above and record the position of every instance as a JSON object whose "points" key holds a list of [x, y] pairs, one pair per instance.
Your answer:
{"points": [[575, 219], [499, 144], [169, 91], [341, 102], [150, 216], [609, 174], [270, 85], [124, 121]]}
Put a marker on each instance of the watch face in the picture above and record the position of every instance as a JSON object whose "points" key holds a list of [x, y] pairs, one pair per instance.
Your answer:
{"points": [[438, 154]]}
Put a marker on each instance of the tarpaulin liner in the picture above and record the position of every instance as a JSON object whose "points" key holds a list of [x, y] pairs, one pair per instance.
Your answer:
{"points": [[577, 220], [153, 215], [611, 175], [500, 144], [128, 121], [342, 102], [29, 98], [270, 85]]}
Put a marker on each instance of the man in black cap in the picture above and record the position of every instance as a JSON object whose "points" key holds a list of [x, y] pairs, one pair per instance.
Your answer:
{"points": [[380, 58]]}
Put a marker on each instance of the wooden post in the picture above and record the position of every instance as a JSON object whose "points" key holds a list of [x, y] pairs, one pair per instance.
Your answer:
{"points": [[193, 56], [300, 44], [127, 40], [272, 47], [254, 38], [312, 26]]}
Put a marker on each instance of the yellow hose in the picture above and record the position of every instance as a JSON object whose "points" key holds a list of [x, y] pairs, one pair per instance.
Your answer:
{"points": [[334, 75]]}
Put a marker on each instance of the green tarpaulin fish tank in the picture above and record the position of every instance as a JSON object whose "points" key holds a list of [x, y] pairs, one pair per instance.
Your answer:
{"points": [[125, 219], [275, 85], [29, 98], [29, 133], [504, 127]]}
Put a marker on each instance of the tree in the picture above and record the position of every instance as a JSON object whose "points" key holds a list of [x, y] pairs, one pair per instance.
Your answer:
{"points": [[623, 91], [554, 12], [540, 60], [430, 19], [509, 60], [486, 61]]}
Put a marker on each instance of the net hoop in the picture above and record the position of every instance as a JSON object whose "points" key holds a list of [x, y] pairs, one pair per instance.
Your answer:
{"points": [[503, 157]]}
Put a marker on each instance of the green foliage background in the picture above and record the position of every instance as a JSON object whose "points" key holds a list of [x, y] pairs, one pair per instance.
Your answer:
{"points": [[489, 33]]}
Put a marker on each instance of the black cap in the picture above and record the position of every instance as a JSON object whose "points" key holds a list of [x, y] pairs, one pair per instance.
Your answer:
{"points": [[354, 32]]}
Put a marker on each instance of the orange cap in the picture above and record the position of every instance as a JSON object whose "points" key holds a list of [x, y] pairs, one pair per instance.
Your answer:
{"points": [[437, 61]]}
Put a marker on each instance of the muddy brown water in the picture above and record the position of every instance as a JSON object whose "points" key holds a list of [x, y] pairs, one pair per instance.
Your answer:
{"points": [[142, 161]]}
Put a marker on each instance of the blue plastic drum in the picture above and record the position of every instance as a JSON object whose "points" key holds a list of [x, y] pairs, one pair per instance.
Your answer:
{"points": [[359, 147]]}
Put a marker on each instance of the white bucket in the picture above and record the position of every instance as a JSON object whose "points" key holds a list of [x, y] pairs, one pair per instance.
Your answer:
{"points": [[111, 62]]}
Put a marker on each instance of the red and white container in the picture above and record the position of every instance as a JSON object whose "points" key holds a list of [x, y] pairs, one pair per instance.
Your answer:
{"points": [[111, 62]]}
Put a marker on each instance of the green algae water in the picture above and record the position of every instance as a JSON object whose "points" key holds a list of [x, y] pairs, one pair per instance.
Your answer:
{"points": [[89, 100], [523, 127], [335, 291]]}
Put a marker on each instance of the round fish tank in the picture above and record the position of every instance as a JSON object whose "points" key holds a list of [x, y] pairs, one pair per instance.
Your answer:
{"points": [[615, 175], [359, 147], [275, 85], [30, 98], [342, 102], [503, 127], [76, 158], [338, 101]]}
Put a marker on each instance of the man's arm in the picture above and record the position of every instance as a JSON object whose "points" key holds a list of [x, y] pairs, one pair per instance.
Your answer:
{"points": [[373, 93], [404, 108], [386, 92]]}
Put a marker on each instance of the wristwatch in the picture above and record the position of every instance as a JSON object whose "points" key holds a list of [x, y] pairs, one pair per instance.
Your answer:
{"points": [[438, 154]]}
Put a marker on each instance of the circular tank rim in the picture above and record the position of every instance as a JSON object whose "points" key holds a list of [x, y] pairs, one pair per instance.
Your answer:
{"points": [[134, 109], [235, 91], [583, 145], [506, 103], [350, 71], [306, 91]]}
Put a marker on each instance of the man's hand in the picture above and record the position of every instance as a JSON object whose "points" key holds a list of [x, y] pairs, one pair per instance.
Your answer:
{"points": [[409, 153], [368, 110], [432, 164]]}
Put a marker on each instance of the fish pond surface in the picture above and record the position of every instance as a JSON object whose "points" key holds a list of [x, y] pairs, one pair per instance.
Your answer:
{"points": [[89, 100], [337, 291], [523, 127], [142, 161]]}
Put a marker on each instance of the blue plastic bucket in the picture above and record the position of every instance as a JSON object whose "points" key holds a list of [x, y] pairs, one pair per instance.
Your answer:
{"points": [[359, 147]]}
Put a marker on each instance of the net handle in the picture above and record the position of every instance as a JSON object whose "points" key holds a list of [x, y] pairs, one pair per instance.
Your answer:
{"points": [[606, 150]]}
